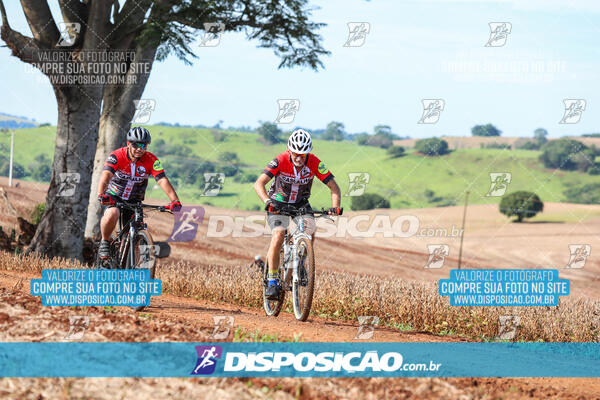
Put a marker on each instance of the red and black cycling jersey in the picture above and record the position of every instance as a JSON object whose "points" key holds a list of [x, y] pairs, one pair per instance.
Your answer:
{"points": [[292, 184], [131, 178]]}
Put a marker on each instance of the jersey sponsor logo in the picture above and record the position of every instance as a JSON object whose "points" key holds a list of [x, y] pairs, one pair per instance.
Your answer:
{"points": [[322, 168], [157, 166], [279, 197], [111, 159], [140, 170], [292, 179], [273, 164], [123, 175]]}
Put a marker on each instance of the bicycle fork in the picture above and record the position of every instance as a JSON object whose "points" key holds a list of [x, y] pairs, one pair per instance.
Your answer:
{"points": [[131, 249]]}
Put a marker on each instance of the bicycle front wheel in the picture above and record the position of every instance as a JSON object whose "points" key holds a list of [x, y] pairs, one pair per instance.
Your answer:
{"points": [[303, 288], [143, 250]]}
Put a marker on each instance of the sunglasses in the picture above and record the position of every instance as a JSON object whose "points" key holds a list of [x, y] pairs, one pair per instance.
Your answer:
{"points": [[137, 145], [297, 154]]}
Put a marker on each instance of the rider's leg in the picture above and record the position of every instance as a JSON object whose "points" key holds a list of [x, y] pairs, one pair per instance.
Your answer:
{"points": [[107, 226], [108, 222], [274, 248]]}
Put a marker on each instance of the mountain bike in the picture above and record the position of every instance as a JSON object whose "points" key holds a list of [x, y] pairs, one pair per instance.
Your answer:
{"points": [[296, 265], [133, 247]]}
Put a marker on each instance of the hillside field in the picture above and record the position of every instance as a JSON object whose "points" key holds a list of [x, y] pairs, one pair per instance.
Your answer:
{"points": [[403, 180]]}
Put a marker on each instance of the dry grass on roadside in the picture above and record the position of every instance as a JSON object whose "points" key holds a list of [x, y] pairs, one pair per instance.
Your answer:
{"points": [[396, 302]]}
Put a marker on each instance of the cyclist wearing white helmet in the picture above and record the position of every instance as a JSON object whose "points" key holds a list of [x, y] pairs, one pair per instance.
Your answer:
{"points": [[293, 171]]}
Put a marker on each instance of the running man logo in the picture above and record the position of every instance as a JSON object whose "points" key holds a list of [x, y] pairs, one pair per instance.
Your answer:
{"points": [[213, 183], [67, 183], [573, 110], [500, 181], [287, 110], [77, 326], [212, 35], [357, 34], [499, 32], [437, 255], [366, 327], [223, 325], [143, 110], [507, 327], [207, 359], [432, 109], [68, 33], [357, 183], [186, 224], [579, 255]]}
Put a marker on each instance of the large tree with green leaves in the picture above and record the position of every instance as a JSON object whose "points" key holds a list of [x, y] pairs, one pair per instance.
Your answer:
{"points": [[92, 118]]}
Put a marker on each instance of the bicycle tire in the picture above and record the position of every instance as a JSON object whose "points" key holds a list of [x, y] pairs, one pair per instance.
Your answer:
{"points": [[273, 307], [302, 306], [146, 238]]}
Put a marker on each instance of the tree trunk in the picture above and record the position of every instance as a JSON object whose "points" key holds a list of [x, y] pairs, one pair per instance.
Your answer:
{"points": [[117, 112], [60, 232]]}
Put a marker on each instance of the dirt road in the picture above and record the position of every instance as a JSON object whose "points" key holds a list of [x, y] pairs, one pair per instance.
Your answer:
{"points": [[171, 318]]}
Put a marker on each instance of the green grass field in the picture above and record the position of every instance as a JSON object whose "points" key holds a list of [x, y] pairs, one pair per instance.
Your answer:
{"points": [[402, 180]]}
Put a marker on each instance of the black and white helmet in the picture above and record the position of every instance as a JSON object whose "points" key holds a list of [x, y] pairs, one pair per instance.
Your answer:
{"points": [[300, 142], [138, 134]]}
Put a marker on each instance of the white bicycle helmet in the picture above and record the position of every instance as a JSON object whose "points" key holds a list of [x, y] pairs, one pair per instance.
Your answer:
{"points": [[300, 142]]}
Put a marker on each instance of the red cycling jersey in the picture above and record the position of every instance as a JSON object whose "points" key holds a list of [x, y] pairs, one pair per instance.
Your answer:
{"points": [[292, 185], [131, 178]]}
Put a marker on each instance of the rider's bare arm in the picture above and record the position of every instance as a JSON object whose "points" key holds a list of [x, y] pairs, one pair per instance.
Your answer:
{"points": [[335, 193], [260, 187], [103, 183], [165, 185]]}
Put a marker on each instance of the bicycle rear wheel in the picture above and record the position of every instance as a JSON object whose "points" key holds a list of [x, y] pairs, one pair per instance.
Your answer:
{"points": [[273, 307], [302, 290]]}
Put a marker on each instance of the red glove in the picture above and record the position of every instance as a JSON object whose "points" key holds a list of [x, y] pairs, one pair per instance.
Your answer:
{"points": [[271, 207], [106, 199], [335, 211], [175, 206]]}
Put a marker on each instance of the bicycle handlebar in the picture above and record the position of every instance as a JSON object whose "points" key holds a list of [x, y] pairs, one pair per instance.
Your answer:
{"points": [[133, 206], [295, 212]]}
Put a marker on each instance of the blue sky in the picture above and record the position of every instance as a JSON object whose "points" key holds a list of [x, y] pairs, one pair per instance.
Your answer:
{"points": [[415, 50]]}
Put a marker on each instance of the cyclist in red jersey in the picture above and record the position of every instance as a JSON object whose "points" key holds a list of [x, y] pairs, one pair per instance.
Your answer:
{"points": [[293, 171], [125, 178]]}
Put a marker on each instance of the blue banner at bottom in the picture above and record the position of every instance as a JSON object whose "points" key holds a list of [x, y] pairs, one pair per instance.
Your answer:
{"points": [[179, 359]]}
